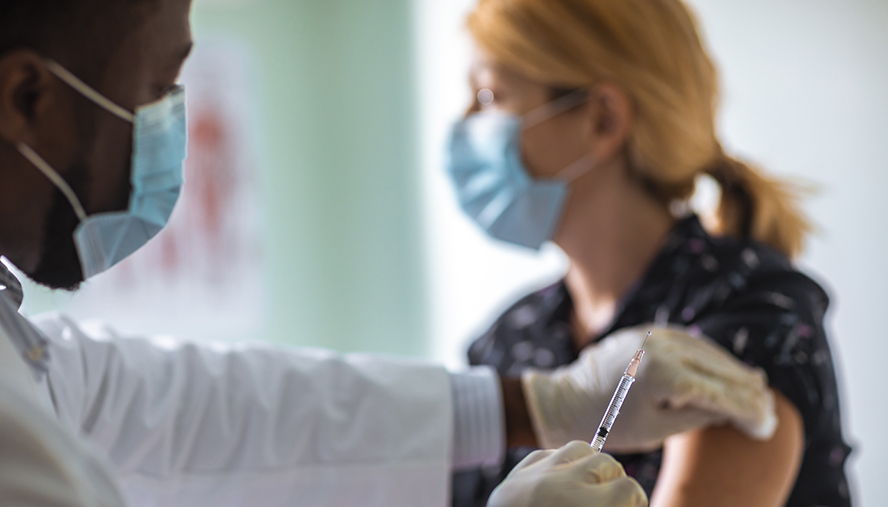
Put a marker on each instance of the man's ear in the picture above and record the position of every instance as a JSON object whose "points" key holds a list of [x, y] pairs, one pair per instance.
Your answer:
{"points": [[26, 89]]}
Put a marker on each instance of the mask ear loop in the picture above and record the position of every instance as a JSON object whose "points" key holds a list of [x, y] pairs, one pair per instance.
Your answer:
{"points": [[89, 92], [574, 171], [54, 177], [554, 108], [561, 105]]}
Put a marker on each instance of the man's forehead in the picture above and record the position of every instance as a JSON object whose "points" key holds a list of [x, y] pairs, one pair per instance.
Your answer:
{"points": [[150, 54], [166, 27]]}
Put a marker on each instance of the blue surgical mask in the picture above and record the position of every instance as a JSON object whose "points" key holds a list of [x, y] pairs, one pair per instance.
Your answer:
{"points": [[159, 149], [493, 186]]}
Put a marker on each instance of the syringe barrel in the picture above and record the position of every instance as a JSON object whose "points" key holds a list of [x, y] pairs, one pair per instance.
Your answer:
{"points": [[613, 409]]}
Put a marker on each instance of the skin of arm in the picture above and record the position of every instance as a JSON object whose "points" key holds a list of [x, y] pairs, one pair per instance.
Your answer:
{"points": [[721, 467], [519, 428]]}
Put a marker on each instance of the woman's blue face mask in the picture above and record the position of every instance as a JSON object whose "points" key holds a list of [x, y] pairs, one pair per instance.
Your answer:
{"points": [[493, 186]]}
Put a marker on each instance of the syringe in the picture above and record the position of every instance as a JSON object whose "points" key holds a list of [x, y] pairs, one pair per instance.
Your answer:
{"points": [[613, 409]]}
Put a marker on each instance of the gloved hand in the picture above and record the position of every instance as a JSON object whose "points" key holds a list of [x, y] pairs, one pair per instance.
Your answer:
{"points": [[684, 383], [573, 476]]}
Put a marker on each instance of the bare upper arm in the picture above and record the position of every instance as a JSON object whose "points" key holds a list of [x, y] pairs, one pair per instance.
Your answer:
{"points": [[721, 467]]}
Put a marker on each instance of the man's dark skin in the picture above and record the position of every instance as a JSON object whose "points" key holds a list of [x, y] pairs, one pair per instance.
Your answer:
{"points": [[133, 55]]}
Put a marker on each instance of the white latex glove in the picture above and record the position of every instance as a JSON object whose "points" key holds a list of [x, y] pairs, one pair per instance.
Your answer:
{"points": [[684, 382], [573, 476]]}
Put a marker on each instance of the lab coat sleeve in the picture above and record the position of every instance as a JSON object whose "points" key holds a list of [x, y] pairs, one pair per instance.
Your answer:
{"points": [[189, 424]]}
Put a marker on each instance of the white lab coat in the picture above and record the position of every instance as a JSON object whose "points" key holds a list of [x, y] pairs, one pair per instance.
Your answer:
{"points": [[196, 425], [41, 463]]}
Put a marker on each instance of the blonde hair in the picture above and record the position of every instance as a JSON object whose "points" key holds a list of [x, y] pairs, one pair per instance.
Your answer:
{"points": [[652, 50]]}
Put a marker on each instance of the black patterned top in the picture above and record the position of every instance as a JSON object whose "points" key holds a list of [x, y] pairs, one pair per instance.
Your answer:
{"points": [[746, 297]]}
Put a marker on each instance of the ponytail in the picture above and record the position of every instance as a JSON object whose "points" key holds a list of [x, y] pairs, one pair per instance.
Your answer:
{"points": [[759, 207]]}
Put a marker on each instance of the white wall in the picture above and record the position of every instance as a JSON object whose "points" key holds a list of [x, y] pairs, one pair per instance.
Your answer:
{"points": [[806, 95]]}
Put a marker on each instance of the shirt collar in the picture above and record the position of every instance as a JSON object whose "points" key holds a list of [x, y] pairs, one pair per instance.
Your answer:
{"points": [[27, 340], [10, 286]]}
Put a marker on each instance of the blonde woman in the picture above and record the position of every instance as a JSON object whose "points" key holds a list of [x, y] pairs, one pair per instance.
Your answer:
{"points": [[592, 122]]}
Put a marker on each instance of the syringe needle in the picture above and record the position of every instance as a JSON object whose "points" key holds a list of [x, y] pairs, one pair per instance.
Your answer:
{"points": [[643, 342]]}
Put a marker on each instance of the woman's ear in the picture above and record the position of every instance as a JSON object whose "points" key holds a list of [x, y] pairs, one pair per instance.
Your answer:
{"points": [[610, 120], [25, 86]]}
